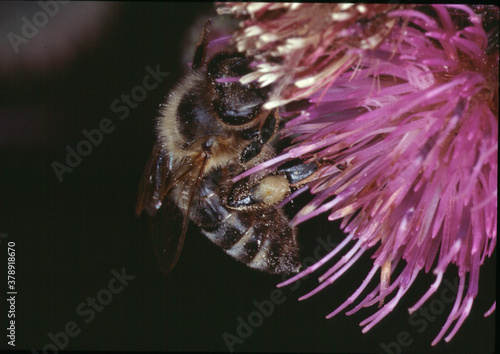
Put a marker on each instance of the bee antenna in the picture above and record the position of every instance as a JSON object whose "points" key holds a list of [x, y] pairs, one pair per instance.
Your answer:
{"points": [[199, 54]]}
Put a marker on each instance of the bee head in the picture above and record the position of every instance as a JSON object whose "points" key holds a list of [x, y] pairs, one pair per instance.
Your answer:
{"points": [[237, 104]]}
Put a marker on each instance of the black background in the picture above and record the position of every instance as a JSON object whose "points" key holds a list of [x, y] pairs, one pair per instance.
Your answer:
{"points": [[70, 235]]}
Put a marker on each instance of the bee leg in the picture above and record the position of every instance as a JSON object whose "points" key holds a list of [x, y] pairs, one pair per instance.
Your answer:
{"points": [[252, 150], [199, 54], [267, 131], [273, 188], [269, 190], [297, 172]]}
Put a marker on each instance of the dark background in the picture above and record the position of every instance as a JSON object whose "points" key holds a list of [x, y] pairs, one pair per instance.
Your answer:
{"points": [[70, 235]]}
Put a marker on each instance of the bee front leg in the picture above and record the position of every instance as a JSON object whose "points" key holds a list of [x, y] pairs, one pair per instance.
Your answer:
{"points": [[298, 173]]}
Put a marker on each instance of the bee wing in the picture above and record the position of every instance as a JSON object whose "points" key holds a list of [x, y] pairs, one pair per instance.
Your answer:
{"points": [[168, 234], [167, 224], [165, 219], [169, 227], [153, 186]]}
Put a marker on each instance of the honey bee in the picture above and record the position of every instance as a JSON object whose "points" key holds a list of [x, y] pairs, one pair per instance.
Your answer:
{"points": [[213, 128]]}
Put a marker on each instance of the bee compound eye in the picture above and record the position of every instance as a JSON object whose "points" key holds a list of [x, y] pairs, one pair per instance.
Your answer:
{"points": [[238, 104], [191, 116], [238, 107], [237, 116], [228, 65]]}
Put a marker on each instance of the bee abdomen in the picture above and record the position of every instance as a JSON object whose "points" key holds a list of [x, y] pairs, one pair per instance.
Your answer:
{"points": [[266, 244], [268, 254], [278, 251]]}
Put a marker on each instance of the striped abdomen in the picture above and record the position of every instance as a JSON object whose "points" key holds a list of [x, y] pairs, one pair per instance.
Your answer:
{"points": [[258, 235]]}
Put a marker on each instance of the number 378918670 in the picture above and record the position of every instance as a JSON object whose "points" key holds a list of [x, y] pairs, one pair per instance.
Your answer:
{"points": [[11, 266]]}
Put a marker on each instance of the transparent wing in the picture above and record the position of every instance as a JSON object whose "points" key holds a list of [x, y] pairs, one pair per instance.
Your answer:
{"points": [[168, 225]]}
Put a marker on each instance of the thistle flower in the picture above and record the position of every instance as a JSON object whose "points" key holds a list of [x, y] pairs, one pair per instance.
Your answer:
{"points": [[401, 112]]}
